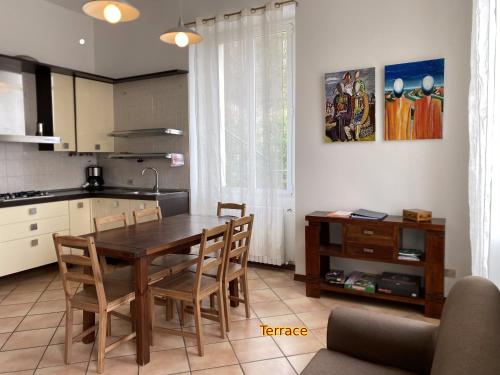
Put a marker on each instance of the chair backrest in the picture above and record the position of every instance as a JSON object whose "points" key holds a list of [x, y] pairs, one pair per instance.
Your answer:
{"points": [[77, 274], [150, 214], [110, 222], [468, 340], [240, 234], [213, 247], [231, 206]]}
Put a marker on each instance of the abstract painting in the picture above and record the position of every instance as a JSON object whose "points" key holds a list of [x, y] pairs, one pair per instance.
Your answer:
{"points": [[350, 106], [414, 99]]}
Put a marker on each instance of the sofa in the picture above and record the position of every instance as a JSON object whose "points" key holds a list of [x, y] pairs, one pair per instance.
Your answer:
{"points": [[466, 342]]}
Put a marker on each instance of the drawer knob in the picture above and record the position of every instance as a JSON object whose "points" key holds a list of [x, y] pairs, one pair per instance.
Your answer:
{"points": [[79, 205], [34, 226], [368, 232], [368, 251], [34, 243], [97, 147], [32, 211], [65, 146]]}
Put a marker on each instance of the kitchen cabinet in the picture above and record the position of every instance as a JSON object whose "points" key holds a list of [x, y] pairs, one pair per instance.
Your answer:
{"points": [[107, 206], [94, 115], [80, 219], [56, 108], [137, 205]]}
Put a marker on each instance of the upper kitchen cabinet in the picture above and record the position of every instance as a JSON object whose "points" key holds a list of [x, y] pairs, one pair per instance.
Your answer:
{"points": [[94, 115], [56, 108]]}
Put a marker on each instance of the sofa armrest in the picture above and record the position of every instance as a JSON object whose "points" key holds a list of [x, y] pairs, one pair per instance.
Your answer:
{"points": [[384, 339]]}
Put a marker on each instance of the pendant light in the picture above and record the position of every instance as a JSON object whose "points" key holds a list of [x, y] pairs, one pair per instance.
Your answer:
{"points": [[111, 11], [181, 35]]}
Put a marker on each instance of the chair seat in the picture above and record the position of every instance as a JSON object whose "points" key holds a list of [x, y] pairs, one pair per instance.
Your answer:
{"points": [[117, 293], [126, 274], [175, 262], [329, 362], [182, 286]]}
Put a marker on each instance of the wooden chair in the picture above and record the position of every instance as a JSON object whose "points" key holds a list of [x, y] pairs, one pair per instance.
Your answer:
{"points": [[236, 263], [104, 223], [231, 206], [99, 296], [147, 213], [193, 287]]}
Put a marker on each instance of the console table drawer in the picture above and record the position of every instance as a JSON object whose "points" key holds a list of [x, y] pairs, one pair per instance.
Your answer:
{"points": [[370, 234], [369, 251]]}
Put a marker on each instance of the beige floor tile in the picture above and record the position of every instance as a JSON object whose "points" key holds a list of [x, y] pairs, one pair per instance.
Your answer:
{"points": [[29, 339], [290, 320], [245, 329], [238, 313], [211, 335], [124, 349], [59, 336], [267, 273], [166, 362], [293, 345], [265, 309], [4, 337], [18, 360], [280, 282], [290, 292], [166, 341], [52, 295], [320, 334], [54, 356], [77, 318], [299, 362], [25, 372], [277, 366], [304, 304], [256, 349], [254, 284], [226, 370], [33, 286], [120, 327], [10, 311], [116, 366], [17, 298], [48, 307], [9, 324], [252, 275], [40, 321], [315, 319], [263, 295], [75, 369], [216, 355]]}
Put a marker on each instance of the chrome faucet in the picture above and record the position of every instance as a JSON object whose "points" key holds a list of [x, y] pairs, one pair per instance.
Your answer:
{"points": [[156, 188]]}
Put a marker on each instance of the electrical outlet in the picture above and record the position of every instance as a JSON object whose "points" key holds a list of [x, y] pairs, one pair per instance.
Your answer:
{"points": [[130, 181], [450, 273]]}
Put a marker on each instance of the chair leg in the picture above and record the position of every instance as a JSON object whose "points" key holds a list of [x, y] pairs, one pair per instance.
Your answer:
{"points": [[169, 309], [104, 265], [222, 315], [225, 304], [181, 314], [151, 328], [198, 326], [69, 335], [101, 341], [244, 284]]}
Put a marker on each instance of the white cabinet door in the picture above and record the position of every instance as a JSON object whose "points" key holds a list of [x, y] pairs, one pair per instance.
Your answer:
{"points": [[80, 217], [94, 115], [63, 111], [107, 206]]}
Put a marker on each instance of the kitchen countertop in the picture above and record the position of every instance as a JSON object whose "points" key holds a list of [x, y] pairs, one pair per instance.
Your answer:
{"points": [[108, 192]]}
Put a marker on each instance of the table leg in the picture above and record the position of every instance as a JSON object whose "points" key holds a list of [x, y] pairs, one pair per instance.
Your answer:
{"points": [[234, 291], [142, 310]]}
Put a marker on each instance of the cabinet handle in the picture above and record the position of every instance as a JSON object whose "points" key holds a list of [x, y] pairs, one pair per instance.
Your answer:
{"points": [[97, 147], [34, 243], [368, 232], [79, 205], [34, 226], [142, 206], [368, 251], [32, 211], [116, 204], [65, 146]]}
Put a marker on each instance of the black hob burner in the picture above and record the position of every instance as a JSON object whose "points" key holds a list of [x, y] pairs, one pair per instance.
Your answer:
{"points": [[22, 195]]}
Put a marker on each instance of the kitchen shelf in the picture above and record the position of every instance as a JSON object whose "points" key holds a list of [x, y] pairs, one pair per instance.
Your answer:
{"points": [[145, 132]]}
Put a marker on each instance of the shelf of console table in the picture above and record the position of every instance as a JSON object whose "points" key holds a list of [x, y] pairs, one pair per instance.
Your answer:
{"points": [[375, 241]]}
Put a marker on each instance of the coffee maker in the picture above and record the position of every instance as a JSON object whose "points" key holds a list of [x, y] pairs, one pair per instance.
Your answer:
{"points": [[94, 181]]}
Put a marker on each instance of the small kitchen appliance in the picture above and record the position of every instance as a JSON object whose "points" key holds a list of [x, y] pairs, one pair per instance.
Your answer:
{"points": [[95, 180]]}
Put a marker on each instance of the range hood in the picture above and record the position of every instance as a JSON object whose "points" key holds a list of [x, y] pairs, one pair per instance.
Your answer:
{"points": [[12, 108]]}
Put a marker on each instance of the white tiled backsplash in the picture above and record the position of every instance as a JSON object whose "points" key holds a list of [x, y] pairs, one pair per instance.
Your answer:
{"points": [[23, 167]]}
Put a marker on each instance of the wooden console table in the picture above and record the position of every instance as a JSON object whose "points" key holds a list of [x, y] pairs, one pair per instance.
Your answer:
{"points": [[376, 241]]}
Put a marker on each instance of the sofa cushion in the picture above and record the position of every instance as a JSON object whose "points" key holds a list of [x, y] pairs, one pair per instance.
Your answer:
{"points": [[329, 362], [468, 340]]}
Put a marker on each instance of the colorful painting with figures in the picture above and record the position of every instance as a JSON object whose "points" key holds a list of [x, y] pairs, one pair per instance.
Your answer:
{"points": [[414, 98], [350, 106]]}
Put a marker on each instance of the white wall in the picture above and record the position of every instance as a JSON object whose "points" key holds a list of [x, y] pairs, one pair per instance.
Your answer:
{"points": [[333, 35], [47, 32]]}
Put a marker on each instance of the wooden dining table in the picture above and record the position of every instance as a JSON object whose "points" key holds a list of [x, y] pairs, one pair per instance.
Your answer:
{"points": [[139, 245]]}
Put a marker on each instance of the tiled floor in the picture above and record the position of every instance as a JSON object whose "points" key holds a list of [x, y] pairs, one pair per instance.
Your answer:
{"points": [[32, 331]]}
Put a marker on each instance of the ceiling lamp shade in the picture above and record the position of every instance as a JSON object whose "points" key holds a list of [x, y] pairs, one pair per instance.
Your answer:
{"points": [[181, 35], [111, 11]]}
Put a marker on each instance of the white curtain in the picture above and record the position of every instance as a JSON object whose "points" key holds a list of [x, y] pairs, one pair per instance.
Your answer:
{"points": [[242, 121], [484, 137]]}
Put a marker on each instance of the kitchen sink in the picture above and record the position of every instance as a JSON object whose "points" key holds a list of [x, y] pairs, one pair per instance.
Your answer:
{"points": [[145, 193]]}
